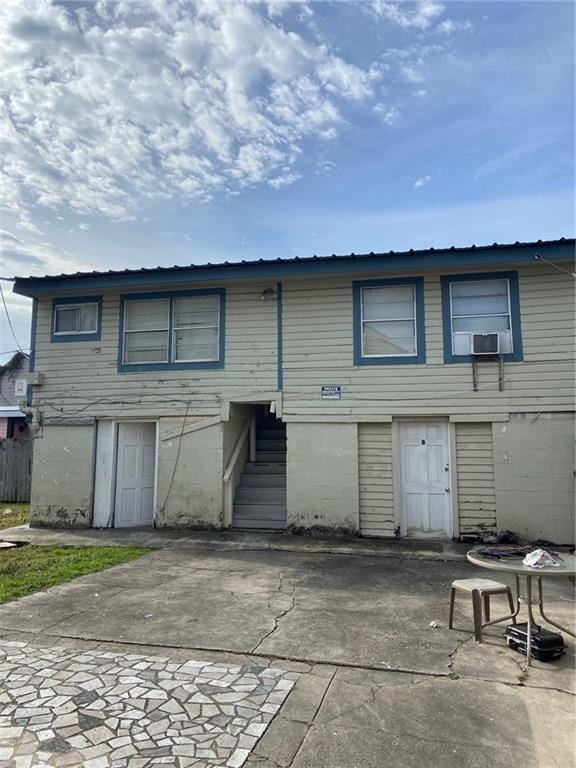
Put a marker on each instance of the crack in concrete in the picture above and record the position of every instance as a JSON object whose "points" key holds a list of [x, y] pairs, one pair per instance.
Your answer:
{"points": [[273, 657], [281, 615], [310, 725], [452, 654]]}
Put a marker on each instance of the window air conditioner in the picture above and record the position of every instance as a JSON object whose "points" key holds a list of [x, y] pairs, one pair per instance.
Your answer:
{"points": [[485, 344]]}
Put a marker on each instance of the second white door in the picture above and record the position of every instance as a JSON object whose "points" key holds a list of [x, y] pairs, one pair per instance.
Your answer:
{"points": [[135, 474], [426, 509]]}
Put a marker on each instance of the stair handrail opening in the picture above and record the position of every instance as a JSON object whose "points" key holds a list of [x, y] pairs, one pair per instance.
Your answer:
{"points": [[233, 470]]}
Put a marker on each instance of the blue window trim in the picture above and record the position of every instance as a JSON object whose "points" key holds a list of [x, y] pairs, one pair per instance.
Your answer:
{"points": [[420, 357], [200, 366], [77, 337], [512, 277]]}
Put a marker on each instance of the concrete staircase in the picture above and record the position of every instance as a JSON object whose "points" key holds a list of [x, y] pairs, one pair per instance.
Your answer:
{"points": [[260, 501]]}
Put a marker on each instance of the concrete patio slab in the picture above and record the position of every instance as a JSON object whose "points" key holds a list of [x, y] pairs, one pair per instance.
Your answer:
{"points": [[441, 722], [382, 680]]}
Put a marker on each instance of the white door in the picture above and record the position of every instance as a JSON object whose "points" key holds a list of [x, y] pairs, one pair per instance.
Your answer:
{"points": [[426, 510], [135, 471]]}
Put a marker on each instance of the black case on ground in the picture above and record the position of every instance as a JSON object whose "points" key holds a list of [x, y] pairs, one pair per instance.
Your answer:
{"points": [[546, 646]]}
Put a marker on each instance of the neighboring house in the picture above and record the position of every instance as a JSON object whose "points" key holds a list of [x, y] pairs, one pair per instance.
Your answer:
{"points": [[13, 389], [334, 393]]}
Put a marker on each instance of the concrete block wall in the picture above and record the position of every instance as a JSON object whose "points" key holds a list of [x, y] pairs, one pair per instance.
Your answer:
{"points": [[322, 476], [62, 469], [534, 467], [189, 490]]}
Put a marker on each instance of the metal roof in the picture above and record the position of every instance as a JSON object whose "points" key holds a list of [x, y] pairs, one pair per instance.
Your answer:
{"points": [[428, 257]]}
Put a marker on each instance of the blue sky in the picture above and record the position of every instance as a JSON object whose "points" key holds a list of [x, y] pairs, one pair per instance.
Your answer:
{"points": [[171, 132]]}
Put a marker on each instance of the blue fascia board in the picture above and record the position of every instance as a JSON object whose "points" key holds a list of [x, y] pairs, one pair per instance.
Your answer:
{"points": [[445, 280], [417, 359], [199, 366], [76, 337], [449, 259]]}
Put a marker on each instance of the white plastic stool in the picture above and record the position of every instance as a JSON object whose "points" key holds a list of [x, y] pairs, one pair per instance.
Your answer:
{"points": [[481, 590]]}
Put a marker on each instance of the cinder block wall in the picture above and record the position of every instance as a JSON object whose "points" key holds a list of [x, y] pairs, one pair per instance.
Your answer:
{"points": [[63, 462], [322, 476], [193, 498], [534, 476]]}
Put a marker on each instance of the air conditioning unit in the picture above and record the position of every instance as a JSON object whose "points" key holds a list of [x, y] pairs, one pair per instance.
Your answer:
{"points": [[485, 344]]}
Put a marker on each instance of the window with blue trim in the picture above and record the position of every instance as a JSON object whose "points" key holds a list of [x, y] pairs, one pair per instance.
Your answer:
{"points": [[184, 329], [76, 318], [486, 303], [389, 321]]}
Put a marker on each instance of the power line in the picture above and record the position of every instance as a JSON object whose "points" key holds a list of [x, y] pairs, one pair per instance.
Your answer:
{"points": [[538, 257], [9, 319]]}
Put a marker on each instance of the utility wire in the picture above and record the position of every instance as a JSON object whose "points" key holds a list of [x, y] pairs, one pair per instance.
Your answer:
{"points": [[551, 263], [9, 319], [177, 457]]}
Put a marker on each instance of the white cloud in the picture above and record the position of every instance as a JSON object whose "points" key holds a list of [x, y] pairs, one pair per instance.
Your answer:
{"points": [[423, 15], [449, 26], [113, 104], [389, 115], [420, 15], [324, 166], [283, 181], [422, 181], [25, 257]]}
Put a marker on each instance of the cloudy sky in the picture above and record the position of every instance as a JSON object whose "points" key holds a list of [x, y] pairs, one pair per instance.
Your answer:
{"points": [[145, 132]]}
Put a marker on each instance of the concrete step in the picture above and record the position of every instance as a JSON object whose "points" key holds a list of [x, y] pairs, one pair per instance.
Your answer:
{"points": [[243, 510], [276, 457], [271, 434], [268, 480], [260, 495], [270, 445], [259, 525], [265, 468]]}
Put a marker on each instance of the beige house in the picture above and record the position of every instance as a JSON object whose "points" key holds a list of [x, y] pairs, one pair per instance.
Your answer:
{"points": [[421, 394]]}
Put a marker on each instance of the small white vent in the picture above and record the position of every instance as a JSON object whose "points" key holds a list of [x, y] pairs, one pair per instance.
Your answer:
{"points": [[485, 344]]}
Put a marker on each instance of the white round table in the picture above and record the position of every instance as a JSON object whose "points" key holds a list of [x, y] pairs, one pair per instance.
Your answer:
{"points": [[566, 568]]}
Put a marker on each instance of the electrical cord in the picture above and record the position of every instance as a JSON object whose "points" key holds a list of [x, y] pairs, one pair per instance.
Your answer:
{"points": [[9, 319], [176, 460]]}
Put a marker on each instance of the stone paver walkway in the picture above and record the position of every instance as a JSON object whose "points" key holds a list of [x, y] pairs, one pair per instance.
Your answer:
{"points": [[59, 707]]}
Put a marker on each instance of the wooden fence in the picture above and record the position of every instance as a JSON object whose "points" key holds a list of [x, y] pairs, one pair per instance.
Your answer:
{"points": [[15, 470]]}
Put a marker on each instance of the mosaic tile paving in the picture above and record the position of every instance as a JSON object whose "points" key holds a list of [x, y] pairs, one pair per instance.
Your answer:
{"points": [[61, 707]]}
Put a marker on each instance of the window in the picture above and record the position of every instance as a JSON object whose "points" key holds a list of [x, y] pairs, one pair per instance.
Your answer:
{"points": [[196, 328], [486, 303], [76, 319], [389, 321], [173, 331], [146, 326]]}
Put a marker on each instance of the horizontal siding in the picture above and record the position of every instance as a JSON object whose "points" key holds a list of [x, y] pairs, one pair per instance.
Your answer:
{"points": [[376, 486], [475, 478], [318, 349], [82, 378]]}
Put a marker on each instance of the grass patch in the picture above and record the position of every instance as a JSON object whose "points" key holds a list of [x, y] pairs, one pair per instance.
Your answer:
{"points": [[28, 569], [13, 514]]}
